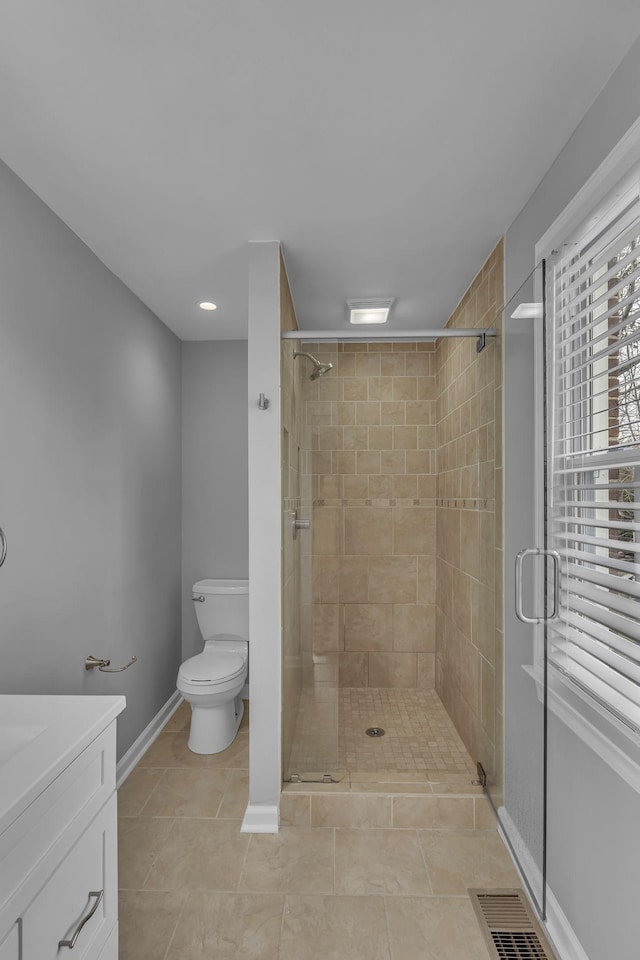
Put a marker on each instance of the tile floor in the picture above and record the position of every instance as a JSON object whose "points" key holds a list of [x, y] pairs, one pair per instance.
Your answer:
{"points": [[192, 887], [420, 737]]}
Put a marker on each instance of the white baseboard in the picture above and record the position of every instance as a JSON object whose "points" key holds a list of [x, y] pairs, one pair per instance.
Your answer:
{"points": [[261, 818], [558, 929], [140, 746], [561, 933], [526, 866]]}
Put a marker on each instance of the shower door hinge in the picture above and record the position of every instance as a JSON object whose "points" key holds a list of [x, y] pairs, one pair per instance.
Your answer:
{"points": [[482, 776]]}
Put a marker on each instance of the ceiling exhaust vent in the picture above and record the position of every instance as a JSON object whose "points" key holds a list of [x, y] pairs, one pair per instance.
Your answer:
{"points": [[369, 309], [510, 928]]}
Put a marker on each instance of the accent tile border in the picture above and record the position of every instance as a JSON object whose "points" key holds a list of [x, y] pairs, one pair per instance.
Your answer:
{"points": [[376, 502], [467, 503]]}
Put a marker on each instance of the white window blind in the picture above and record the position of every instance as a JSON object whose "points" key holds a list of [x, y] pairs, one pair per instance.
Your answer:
{"points": [[593, 462]]}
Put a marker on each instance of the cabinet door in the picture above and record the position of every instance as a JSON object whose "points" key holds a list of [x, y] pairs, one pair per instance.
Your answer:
{"points": [[110, 949], [81, 895]]}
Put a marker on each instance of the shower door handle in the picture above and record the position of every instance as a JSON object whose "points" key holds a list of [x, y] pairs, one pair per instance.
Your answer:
{"points": [[3, 547], [555, 558]]}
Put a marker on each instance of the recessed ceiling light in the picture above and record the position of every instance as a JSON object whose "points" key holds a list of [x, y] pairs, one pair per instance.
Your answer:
{"points": [[370, 310], [207, 305]]}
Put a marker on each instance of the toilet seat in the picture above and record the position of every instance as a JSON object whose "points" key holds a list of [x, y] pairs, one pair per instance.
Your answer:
{"points": [[211, 667]]}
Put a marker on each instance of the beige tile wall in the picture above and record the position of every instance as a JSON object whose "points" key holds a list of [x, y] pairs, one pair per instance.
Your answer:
{"points": [[373, 434], [469, 532]]}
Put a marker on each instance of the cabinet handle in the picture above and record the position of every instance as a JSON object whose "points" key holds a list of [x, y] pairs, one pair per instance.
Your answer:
{"points": [[99, 894]]}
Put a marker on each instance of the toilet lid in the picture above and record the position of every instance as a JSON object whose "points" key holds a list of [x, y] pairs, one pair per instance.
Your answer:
{"points": [[212, 667]]}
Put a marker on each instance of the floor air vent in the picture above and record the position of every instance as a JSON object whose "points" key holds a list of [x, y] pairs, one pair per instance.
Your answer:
{"points": [[509, 925]]}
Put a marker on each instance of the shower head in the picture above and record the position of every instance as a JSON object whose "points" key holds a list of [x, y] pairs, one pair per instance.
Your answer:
{"points": [[319, 369]]}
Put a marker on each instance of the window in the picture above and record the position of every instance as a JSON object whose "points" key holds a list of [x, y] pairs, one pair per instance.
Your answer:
{"points": [[593, 459]]}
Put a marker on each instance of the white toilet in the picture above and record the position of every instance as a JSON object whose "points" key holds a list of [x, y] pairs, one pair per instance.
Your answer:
{"points": [[212, 681]]}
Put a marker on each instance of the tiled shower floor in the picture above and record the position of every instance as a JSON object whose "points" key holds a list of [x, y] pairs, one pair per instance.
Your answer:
{"points": [[420, 738]]}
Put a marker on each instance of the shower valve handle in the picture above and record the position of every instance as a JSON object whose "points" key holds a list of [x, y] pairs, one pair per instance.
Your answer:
{"points": [[298, 524]]}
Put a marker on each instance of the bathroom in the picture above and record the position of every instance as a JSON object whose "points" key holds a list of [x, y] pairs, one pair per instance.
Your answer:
{"points": [[130, 471], [140, 403], [129, 406]]}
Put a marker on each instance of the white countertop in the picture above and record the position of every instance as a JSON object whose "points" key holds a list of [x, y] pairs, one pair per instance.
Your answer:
{"points": [[39, 736]]}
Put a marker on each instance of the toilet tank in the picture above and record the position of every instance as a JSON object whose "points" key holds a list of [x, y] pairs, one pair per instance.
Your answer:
{"points": [[225, 608]]}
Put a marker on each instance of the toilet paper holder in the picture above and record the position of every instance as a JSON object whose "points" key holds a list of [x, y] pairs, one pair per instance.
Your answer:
{"points": [[104, 666]]}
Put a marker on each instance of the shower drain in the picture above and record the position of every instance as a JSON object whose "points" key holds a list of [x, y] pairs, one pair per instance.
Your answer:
{"points": [[375, 732]]}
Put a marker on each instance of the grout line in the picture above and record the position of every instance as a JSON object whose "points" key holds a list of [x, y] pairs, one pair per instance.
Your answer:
{"points": [[157, 853], [424, 860], [244, 862], [334, 861], [224, 793], [175, 929], [284, 908], [386, 919], [154, 788]]}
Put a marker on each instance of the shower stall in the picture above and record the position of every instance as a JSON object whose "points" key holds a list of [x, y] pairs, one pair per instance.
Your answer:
{"points": [[391, 559]]}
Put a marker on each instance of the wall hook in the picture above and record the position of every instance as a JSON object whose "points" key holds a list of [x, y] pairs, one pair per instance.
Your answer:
{"points": [[263, 402]]}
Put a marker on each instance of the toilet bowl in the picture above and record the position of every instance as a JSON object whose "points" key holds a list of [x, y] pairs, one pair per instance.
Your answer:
{"points": [[213, 680]]}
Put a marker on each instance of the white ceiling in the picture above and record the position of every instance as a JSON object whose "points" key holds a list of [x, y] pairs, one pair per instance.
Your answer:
{"points": [[386, 143]]}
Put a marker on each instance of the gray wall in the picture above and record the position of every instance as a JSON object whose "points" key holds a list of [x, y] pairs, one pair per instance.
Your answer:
{"points": [[611, 115], [89, 471], [594, 827], [215, 534]]}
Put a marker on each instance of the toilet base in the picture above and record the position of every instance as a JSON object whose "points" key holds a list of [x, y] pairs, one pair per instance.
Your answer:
{"points": [[213, 729]]}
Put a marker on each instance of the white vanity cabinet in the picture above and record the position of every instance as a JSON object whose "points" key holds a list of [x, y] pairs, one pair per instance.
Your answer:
{"points": [[79, 899], [58, 859]]}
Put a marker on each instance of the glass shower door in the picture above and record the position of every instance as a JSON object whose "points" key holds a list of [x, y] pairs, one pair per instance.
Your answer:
{"points": [[517, 782], [311, 537]]}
